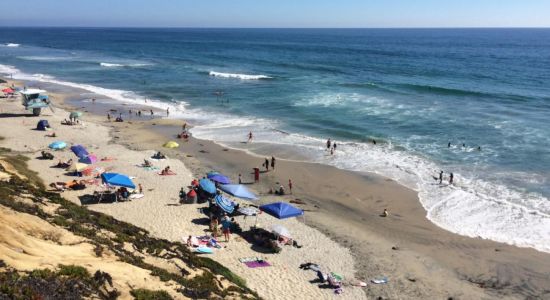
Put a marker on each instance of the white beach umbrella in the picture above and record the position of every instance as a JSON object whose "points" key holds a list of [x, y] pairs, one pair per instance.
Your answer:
{"points": [[281, 230]]}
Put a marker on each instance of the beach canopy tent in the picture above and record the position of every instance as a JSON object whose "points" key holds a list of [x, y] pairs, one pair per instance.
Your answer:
{"points": [[219, 178], [208, 186], [117, 179], [58, 145], [42, 125], [211, 173], [239, 191], [281, 210], [171, 144], [227, 205], [75, 115], [79, 151], [281, 230], [90, 159], [77, 167]]}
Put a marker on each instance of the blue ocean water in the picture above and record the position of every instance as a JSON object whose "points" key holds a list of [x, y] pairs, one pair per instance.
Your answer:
{"points": [[411, 90]]}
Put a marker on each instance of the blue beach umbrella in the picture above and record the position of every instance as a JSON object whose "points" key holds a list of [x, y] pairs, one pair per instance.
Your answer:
{"points": [[227, 205], [79, 151], [58, 145], [219, 178], [238, 190], [207, 186], [117, 180], [281, 210]]}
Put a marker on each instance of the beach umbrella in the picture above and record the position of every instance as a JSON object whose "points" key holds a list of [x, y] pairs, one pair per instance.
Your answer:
{"points": [[211, 173], [117, 180], [77, 167], [227, 205], [90, 159], [207, 186], [79, 151], [219, 178], [281, 230], [8, 91], [238, 190], [75, 115], [281, 210], [58, 145], [171, 144]]}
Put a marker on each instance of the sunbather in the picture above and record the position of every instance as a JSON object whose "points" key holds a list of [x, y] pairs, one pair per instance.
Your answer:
{"points": [[159, 155], [147, 163], [51, 134], [46, 155], [57, 186]]}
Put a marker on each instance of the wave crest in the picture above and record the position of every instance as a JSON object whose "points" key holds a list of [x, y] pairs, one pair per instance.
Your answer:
{"points": [[12, 45], [239, 76]]}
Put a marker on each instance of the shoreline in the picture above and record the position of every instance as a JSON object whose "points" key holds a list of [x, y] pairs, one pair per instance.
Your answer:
{"points": [[345, 205]]}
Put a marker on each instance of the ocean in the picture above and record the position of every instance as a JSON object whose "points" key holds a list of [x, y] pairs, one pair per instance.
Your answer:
{"points": [[412, 91]]}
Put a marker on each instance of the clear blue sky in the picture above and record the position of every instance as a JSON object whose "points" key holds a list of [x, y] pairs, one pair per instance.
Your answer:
{"points": [[277, 13]]}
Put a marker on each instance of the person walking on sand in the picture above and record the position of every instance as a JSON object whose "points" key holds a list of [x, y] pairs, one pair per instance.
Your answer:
{"points": [[273, 163], [440, 177], [250, 137], [451, 177], [240, 179], [168, 111], [290, 186], [140, 189], [152, 113], [328, 144], [266, 164], [109, 117]]}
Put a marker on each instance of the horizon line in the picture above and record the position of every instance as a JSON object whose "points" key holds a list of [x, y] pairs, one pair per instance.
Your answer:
{"points": [[206, 27]]}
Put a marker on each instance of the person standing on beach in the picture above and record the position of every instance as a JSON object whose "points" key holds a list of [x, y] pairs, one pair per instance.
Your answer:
{"points": [[139, 113], [328, 144], [152, 113], [109, 117], [214, 227], [334, 146], [184, 126], [93, 100], [140, 189], [440, 177], [290, 186], [250, 137], [168, 111], [273, 163], [451, 177], [240, 179], [266, 164], [226, 228]]}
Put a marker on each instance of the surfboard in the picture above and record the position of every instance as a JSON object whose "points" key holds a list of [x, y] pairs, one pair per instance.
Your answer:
{"points": [[136, 196], [204, 250]]}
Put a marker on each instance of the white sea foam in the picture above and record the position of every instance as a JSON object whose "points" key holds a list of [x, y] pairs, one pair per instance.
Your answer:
{"points": [[116, 65], [472, 207], [46, 58], [239, 76], [12, 45]]}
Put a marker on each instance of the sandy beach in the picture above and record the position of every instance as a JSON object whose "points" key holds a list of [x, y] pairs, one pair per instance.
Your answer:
{"points": [[342, 229]]}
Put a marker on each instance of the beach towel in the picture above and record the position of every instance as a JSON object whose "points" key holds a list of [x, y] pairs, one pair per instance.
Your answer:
{"points": [[248, 259], [257, 264], [382, 280], [167, 174], [151, 168], [204, 250]]}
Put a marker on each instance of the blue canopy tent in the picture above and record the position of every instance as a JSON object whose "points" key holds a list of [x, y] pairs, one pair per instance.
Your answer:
{"points": [[117, 180], [238, 190], [79, 151], [281, 210], [219, 178], [42, 125], [207, 186], [227, 205]]}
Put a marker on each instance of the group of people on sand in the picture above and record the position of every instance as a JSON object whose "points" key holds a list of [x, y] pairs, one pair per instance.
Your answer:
{"points": [[266, 163], [71, 121]]}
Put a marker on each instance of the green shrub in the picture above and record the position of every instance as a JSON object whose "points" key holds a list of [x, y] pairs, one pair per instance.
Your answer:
{"points": [[143, 294]]}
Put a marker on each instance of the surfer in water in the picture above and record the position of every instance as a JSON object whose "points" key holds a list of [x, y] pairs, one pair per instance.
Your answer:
{"points": [[250, 137], [449, 145]]}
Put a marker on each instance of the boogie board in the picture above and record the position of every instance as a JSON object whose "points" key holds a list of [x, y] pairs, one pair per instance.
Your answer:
{"points": [[204, 250], [136, 196]]}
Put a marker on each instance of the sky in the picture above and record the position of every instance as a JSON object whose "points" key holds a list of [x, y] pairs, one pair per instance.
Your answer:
{"points": [[278, 13]]}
